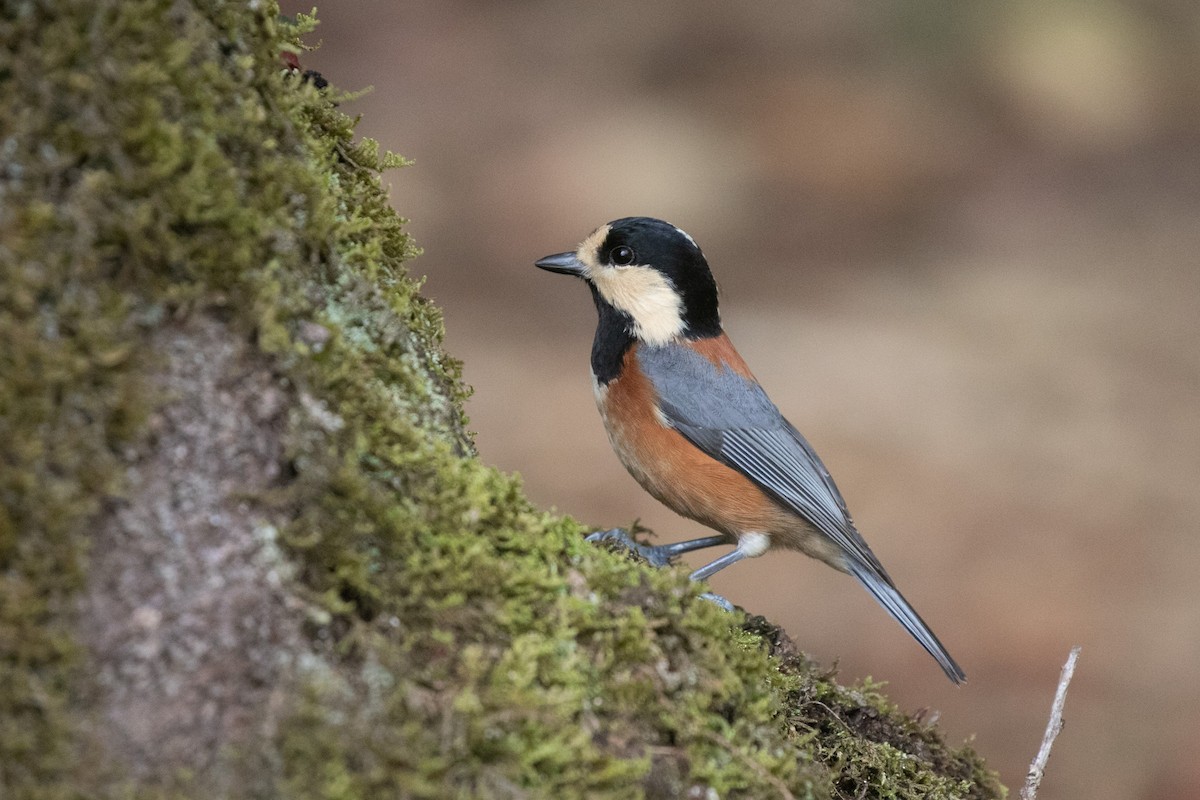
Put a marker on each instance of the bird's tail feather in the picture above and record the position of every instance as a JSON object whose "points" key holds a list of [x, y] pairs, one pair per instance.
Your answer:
{"points": [[890, 598]]}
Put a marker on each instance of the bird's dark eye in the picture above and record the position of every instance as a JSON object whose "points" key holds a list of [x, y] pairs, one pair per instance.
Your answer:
{"points": [[622, 256]]}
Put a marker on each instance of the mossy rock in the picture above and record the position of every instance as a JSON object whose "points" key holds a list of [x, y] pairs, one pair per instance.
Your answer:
{"points": [[246, 548]]}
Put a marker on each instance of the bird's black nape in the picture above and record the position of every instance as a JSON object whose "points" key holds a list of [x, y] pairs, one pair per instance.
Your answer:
{"points": [[676, 255]]}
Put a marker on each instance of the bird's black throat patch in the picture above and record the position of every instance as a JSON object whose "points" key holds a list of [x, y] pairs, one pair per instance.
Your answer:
{"points": [[612, 339]]}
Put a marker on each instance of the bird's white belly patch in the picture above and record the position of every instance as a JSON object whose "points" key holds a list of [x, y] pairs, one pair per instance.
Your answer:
{"points": [[753, 543]]}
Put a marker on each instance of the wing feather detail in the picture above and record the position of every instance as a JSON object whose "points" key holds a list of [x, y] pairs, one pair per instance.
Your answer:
{"points": [[791, 473], [730, 418]]}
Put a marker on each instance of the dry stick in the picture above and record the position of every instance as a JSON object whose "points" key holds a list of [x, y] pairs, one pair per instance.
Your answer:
{"points": [[1038, 767]]}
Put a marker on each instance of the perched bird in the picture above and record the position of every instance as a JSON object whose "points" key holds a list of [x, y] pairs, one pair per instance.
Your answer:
{"points": [[694, 428]]}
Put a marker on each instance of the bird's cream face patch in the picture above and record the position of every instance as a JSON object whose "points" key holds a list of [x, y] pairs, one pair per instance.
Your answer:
{"points": [[640, 291], [647, 297]]}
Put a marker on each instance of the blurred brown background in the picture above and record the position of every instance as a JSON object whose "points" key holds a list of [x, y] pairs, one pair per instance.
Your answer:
{"points": [[958, 244]]}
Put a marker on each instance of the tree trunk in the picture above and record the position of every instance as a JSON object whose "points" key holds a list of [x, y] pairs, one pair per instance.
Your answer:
{"points": [[246, 549]]}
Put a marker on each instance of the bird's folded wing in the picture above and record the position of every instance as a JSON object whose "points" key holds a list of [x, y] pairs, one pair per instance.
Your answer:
{"points": [[732, 420]]}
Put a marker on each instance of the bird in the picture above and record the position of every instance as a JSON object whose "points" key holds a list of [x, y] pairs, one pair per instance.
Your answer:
{"points": [[692, 425]]}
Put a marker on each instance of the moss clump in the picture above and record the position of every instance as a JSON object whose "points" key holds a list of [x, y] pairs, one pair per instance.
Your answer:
{"points": [[871, 748], [158, 163]]}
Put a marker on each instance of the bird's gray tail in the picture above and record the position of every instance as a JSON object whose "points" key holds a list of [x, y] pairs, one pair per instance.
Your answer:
{"points": [[890, 598]]}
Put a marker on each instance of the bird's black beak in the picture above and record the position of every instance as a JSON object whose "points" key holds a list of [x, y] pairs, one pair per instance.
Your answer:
{"points": [[562, 263]]}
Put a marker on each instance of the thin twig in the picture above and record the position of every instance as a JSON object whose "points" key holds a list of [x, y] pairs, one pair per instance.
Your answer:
{"points": [[1038, 768]]}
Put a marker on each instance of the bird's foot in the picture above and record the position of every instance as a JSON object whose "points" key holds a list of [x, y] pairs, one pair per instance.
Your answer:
{"points": [[717, 600], [659, 556]]}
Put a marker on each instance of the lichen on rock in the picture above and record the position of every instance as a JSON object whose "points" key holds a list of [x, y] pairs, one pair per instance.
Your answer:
{"points": [[246, 548]]}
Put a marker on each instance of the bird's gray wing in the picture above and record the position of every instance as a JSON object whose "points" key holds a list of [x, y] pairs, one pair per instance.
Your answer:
{"points": [[731, 419]]}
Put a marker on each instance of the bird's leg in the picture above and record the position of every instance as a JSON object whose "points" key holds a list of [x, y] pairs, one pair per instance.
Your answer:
{"points": [[657, 555], [748, 547], [732, 557]]}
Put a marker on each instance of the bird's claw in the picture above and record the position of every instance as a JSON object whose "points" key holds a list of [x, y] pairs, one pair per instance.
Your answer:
{"points": [[655, 556], [660, 556], [719, 601]]}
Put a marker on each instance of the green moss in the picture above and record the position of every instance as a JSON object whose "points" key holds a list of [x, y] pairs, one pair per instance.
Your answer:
{"points": [[870, 747], [157, 162]]}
